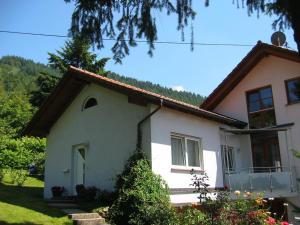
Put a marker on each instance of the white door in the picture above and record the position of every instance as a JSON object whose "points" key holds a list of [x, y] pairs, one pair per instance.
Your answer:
{"points": [[78, 169]]}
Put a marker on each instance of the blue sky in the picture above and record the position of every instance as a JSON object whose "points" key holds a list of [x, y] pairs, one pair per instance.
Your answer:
{"points": [[198, 71]]}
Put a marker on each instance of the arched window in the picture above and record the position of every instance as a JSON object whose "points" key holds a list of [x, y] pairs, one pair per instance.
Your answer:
{"points": [[90, 103]]}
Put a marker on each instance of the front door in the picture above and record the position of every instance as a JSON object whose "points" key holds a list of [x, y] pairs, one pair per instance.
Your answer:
{"points": [[78, 167]]}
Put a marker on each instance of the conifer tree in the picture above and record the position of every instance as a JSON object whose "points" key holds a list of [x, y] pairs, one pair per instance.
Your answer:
{"points": [[74, 53], [132, 19]]}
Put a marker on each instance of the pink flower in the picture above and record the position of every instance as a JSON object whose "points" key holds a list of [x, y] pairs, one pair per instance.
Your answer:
{"points": [[271, 221], [284, 223]]}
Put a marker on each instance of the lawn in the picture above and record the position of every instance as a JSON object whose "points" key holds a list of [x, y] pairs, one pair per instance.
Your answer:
{"points": [[25, 205]]}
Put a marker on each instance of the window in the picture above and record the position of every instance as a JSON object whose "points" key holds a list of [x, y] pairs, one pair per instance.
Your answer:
{"points": [[260, 99], [90, 102], [228, 158], [186, 151], [261, 108], [293, 90]]}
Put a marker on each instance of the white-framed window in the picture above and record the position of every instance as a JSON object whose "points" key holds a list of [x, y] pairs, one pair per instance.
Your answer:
{"points": [[228, 158], [186, 151]]}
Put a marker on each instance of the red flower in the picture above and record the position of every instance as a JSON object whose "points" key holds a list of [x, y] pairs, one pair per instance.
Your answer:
{"points": [[271, 221], [284, 223]]}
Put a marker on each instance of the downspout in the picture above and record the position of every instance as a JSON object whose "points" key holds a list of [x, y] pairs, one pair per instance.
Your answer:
{"points": [[139, 126]]}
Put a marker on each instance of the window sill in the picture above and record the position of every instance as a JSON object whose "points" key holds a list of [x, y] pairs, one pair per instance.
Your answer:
{"points": [[186, 169]]}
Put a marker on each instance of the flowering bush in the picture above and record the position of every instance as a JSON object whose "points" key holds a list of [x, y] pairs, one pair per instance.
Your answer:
{"points": [[243, 209]]}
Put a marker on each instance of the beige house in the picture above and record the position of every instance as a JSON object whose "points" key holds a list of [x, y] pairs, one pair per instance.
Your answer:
{"points": [[242, 135], [264, 91]]}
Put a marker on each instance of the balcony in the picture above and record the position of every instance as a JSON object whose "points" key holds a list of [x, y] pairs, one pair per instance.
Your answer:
{"points": [[269, 181]]}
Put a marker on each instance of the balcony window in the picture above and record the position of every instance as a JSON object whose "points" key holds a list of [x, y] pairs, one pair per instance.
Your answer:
{"points": [[261, 108], [293, 90], [186, 151]]}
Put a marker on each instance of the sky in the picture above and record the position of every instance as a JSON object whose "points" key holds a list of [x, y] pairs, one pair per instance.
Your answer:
{"points": [[176, 66]]}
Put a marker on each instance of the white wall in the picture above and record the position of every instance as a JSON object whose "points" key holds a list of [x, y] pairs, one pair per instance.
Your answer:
{"points": [[109, 130], [167, 121], [270, 71]]}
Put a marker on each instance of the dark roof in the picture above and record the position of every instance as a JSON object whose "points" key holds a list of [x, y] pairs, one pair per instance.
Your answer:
{"points": [[75, 79], [258, 52]]}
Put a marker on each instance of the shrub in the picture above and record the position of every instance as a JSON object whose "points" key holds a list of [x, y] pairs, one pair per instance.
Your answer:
{"points": [[19, 153], [18, 177], [1, 174], [192, 216], [142, 196], [102, 211]]}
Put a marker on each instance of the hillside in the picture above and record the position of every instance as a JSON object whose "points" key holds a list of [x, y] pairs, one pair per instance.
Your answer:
{"points": [[18, 75]]}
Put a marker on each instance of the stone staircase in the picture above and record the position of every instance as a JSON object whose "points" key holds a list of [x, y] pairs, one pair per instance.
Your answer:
{"points": [[79, 217], [87, 219]]}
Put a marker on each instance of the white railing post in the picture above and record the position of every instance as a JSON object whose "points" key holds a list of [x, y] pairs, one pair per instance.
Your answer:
{"points": [[251, 183], [270, 180]]}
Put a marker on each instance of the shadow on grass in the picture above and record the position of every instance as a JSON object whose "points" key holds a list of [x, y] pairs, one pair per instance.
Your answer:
{"points": [[23, 223], [27, 197]]}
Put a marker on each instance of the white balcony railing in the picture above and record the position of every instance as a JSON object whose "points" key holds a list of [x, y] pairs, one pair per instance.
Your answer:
{"points": [[272, 181]]}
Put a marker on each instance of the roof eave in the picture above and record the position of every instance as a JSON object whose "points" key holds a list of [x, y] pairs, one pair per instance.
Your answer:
{"points": [[75, 79]]}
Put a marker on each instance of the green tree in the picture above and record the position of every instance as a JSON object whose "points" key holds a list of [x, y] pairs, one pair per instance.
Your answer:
{"points": [[15, 112], [45, 83], [76, 53], [20, 152], [128, 20]]}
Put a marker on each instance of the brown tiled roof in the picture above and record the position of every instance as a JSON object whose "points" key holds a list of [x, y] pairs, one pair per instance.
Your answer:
{"points": [[258, 52], [75, 79]]}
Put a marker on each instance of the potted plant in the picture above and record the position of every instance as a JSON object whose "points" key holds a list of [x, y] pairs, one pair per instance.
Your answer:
{"points": [[57, 191]]}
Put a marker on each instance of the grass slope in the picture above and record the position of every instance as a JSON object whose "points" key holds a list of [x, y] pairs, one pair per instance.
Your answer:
{"points": [[25, 205]]}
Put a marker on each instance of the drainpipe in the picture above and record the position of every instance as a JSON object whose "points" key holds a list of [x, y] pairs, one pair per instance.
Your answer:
{"points": [[139, 126]]}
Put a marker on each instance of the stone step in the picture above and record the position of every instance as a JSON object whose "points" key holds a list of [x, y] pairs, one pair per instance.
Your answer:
{"points": [[76, 216], [96, 221]]}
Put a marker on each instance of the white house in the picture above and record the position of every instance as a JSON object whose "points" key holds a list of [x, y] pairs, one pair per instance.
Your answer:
{"points": [[242, 135], [264, 91]]}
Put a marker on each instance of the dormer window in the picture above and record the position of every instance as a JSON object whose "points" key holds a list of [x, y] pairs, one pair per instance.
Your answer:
{"points": [[90, 102]]}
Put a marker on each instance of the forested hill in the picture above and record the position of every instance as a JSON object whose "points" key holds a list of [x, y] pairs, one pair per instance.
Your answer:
{"points": [[18, 75], [184, 96]]}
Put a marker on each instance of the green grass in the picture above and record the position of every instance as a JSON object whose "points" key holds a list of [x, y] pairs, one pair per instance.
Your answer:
{"points": [[25, 205]]}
